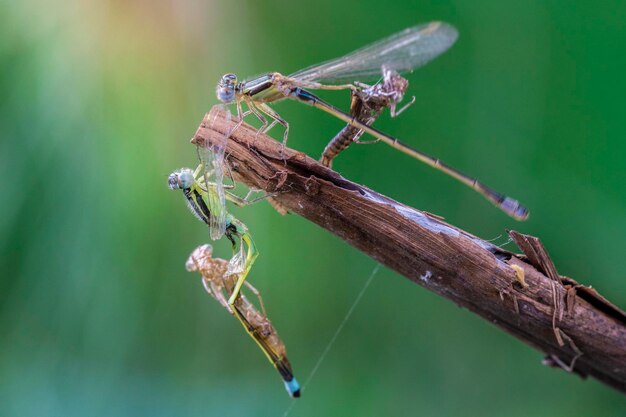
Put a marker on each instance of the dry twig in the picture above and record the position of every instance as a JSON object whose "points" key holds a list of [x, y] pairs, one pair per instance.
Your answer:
{"points": [[579, 330]]}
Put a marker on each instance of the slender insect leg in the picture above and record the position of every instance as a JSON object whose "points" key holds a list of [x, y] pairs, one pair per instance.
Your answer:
{"points": [[243, 202], [395, 113], [214, 185], [200, 180], [207, 286], [230, 175], [250, 258], [230, 196], [254, 110], [241, 115], [204, 184], [365, 142], [258, 296], [277, 119], [216, 291]]}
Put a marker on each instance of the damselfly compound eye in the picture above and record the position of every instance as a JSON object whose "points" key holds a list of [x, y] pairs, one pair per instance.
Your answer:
{"points": [[185, 178], [180, 179], [226, 88]]}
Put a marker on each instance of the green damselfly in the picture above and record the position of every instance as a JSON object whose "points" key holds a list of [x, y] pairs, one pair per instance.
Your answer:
{"points": [[206, 197], [401, 52]]}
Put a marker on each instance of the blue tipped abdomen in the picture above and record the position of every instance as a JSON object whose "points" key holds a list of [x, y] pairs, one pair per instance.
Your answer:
{"points": [[293, 388]]}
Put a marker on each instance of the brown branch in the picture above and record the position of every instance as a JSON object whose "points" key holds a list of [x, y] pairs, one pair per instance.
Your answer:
{"points": [[579, 330]]}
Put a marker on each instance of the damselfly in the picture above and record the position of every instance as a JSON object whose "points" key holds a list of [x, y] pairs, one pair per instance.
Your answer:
{"points": [[219, 283], [401, 52], [206, 195], [200, 197]]}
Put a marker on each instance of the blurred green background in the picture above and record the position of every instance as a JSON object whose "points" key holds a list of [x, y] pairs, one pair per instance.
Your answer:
{"points": [[98, 101]]}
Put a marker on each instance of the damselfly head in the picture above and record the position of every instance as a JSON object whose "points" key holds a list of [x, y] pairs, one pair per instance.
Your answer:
{"points": [[226, 88], [182, 179]]}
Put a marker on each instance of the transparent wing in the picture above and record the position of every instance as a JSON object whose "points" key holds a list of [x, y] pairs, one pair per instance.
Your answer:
{"points": [[212, 160], [237, 263], [401, 52]]}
